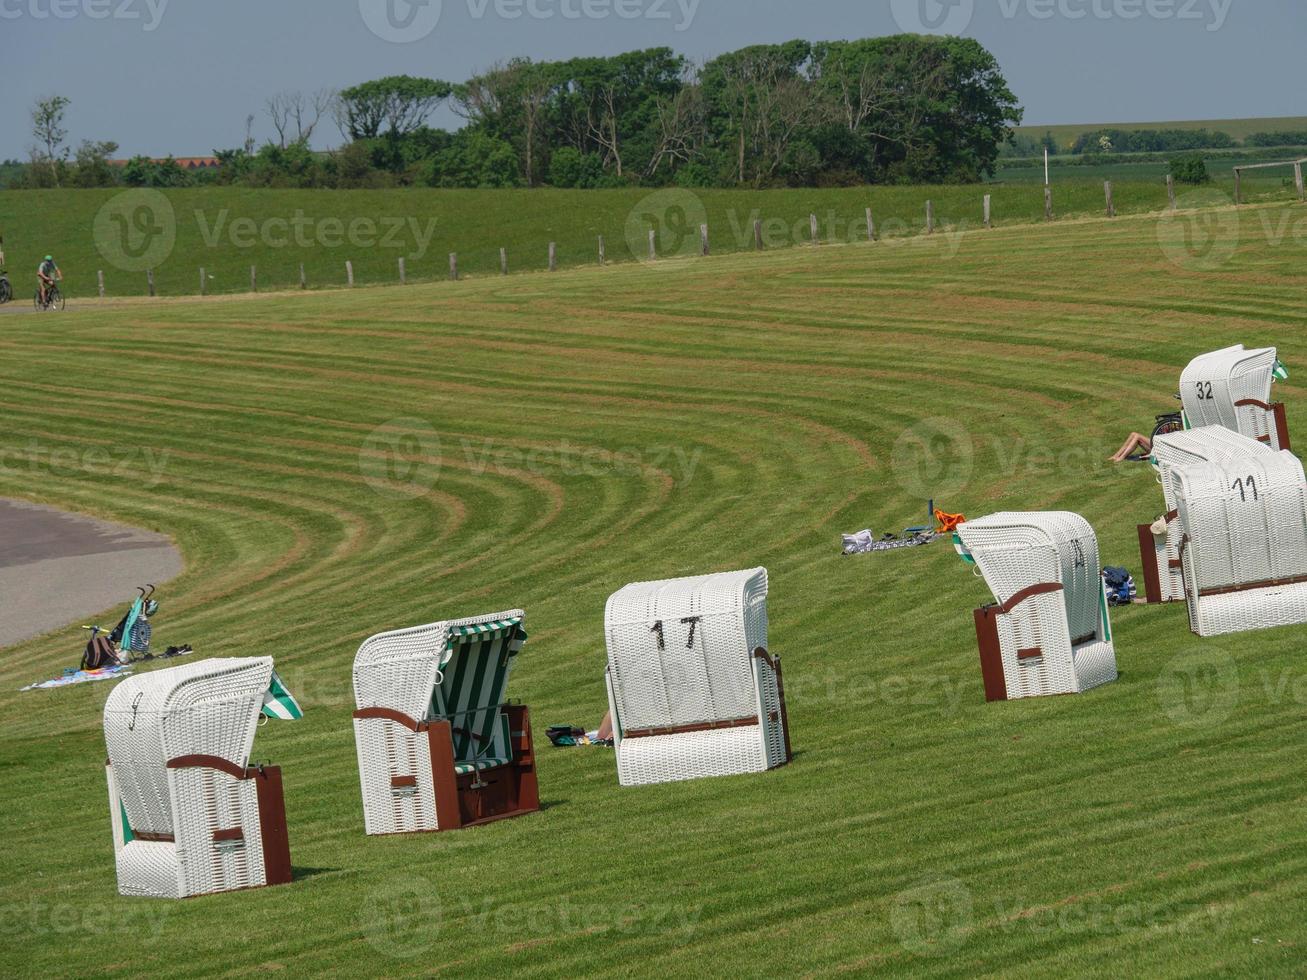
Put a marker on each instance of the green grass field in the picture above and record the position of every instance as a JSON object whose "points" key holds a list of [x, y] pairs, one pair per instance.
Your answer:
{"points": [[226, 230], [598, 427], [1066, 133]]}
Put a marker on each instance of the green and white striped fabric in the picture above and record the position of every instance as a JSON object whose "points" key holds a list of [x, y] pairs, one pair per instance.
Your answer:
{"points": [[475, 669], [279, 703], [1281, 372], [962, 551]]}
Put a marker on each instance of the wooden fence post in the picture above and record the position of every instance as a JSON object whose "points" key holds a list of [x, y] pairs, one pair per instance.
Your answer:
{"points": [[602, 254], [1111, 207], [703, 239], [203, 281], [1048, 203], [1238, 186], [812, 229], [453, 266], [1297, 179], [757, 235], [930, 217], [1170, 190], [149, 280], [503, 261], [871, 226], [254, 279], [304, 280], [349, 273], [988, 213], [653, 244], [403, 275], [99, 278], [553, 256]]}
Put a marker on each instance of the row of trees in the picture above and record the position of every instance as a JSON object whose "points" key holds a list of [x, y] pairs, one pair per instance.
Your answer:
{"points": [[906, 108], [1151, 141]]}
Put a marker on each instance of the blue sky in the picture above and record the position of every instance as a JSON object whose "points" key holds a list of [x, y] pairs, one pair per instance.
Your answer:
{"points": [[180, 76]]}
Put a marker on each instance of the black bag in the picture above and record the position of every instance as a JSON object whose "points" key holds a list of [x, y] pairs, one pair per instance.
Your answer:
{"points": [[99, 653]]}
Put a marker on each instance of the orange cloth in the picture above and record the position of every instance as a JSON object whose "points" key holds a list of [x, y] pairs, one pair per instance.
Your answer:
{"points": [[948, 522]]}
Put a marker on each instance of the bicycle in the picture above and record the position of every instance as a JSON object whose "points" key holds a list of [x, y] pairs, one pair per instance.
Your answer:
{"points": [[54, 298], [1168, 423], [6, 290]]}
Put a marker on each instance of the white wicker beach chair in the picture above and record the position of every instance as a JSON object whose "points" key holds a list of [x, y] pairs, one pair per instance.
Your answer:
{"points": [[1049, 632], [1243, 549], [1160, 554], [190, 815], [438, 747], [1232, 388], [692, 688]]}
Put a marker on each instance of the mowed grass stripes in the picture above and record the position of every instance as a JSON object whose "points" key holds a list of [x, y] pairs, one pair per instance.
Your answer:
{"points": [[333, 465]]}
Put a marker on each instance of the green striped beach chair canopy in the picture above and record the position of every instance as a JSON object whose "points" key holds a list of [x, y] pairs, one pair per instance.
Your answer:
{"points": [[471, 688]]}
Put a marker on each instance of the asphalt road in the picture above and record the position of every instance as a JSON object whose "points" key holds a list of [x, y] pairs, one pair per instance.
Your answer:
{"points": [[58, 569]]}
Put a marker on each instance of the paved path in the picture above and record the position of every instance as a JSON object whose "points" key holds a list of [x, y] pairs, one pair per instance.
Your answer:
{"points": [[57, 568]]}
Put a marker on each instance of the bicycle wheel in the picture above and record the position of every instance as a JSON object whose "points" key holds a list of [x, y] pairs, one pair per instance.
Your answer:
{"points": [[56, 299], [1168, 424], [6, 291], [36, 300]]}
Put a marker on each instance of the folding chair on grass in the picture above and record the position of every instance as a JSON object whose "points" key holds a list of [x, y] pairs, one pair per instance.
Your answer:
{"points": [[438, 747], [1232, 388], [190, 815], [692, 689], [1048, 632]]}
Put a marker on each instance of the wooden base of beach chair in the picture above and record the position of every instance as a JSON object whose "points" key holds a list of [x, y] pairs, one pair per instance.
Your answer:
{"points": [[449, 799], [218, 852], [493, 794], [1152, 559]]}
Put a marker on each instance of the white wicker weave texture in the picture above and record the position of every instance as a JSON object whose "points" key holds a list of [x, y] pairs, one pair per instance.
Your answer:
{"points": [[1245, 543], [1213, 385], [401, 671], [681, 656], [209, 708], [1053, 642], [1212, 443]]}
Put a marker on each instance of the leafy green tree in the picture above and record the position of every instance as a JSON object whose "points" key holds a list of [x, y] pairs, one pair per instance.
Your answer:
{"points": [[48, 128], [92, 168], [1190, 169], [400, 103]]}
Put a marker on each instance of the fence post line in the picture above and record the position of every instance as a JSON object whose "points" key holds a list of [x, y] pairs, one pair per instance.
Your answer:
{"points": [[149, 280], [453, 266], [703, 240], [203, 281], [812, 229], [1238, 186], [349, 273], [757, 235], [930, 217], [1048, 203], [603, 257], [254, 279], [1170, 190], [403, 275], [304, 280], [989, 223], [1298, 182], [99, 278], [871, 226], [1111, 207], [653, 244], [503, 261], [553, 256]]}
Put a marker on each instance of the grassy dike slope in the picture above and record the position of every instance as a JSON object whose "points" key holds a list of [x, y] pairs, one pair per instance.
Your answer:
{"points": [[568, 434]]}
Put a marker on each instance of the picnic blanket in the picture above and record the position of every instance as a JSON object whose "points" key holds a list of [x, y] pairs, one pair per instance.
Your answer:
{"points": [[864, 542], [71, 677]]}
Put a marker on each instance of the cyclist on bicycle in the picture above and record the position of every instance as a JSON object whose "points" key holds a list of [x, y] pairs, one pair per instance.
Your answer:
{"points": [[46, 274]]}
